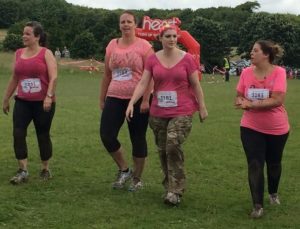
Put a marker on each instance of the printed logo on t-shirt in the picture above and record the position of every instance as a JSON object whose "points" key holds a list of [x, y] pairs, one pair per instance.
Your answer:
{"points": [[258, 93], [122, 74], [167, 98], [31, 85]]}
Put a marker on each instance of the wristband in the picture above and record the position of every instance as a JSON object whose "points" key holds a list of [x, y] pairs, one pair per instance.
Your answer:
{"points": [[50, 95]]}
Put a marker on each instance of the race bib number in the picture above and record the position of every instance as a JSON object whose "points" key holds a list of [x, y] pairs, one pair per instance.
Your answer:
{"points": [[257, 93], [122, 74], [31, 85], [167, 98]]}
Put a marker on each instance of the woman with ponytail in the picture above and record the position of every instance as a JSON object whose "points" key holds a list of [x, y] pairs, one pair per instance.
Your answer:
{"points": [[33, 84], [264, 126]]}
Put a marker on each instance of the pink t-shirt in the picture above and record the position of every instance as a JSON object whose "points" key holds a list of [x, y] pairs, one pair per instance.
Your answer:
{"points": [[269, 121], [127, 65], [173, 95], [32, 76]]}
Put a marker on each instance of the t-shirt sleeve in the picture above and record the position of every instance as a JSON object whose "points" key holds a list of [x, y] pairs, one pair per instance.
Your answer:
{"points": [[110, 46], [192, 65], [146, 46], [240, 88], [280, 81], [149, 63]]}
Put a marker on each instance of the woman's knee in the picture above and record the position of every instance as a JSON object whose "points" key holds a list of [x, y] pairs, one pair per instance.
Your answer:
{"points": [[19, 133], [110, 143], [174, 152], [255, 166], [20, 146]]}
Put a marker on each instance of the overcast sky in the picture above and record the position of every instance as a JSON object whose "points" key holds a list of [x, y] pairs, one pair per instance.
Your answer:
{"points": [[272, 6]]}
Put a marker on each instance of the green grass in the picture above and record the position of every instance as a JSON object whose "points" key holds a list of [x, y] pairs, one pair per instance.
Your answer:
{"points": [[80, 195]]}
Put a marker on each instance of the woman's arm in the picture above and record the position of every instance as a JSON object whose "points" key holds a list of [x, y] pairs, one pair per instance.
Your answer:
{"points": [[276, 99], [145, 105], [194, 81], [52, 73], [238, 100], [10, 89], [139, 90], [104, 83]]}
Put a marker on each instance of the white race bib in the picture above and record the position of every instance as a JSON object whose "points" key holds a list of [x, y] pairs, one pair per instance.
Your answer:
{"points": [[122, 74], [167, 98], [258, 93], [31, 85]]}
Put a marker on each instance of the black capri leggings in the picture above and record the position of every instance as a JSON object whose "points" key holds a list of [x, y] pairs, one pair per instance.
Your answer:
{"points": [[261, 148], [112, 119], [24, 112]]}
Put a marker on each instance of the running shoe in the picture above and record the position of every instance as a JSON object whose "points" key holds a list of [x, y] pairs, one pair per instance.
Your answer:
{"points": [[45, 174], [20, 177], [274, 199], [122, 178]]}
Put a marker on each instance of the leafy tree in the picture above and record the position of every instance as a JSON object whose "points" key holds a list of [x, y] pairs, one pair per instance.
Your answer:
{"points": [[54, 15], [17, 28], [230, 18], [248, 6], [12, 42], [9, 12], [84, 46], [274, 27], [212, 37], [186, 15], [63, 21], [156, 13]]}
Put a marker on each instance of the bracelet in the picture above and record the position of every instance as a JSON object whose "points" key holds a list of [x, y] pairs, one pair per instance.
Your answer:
{"points": [[50, 95]]}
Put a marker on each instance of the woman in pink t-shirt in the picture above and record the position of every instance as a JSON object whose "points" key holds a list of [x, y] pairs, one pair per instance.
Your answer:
{"points": [[177, 95], [124, 64], [264, 126], [34, 80]]}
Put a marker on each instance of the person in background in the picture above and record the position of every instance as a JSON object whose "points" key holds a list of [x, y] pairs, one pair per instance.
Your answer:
{"points": [[65, 53], [264, 127], [177, 95], [57, 54], [124, 64], [226, 65], [34, 80]]}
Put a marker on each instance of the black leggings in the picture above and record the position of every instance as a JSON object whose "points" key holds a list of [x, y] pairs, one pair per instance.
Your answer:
{"points": [[227, 74], [261, 148], [112, 119], [24, 112]]}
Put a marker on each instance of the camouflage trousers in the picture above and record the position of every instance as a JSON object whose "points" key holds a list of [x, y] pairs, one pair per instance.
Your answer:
{"points": [[169, 134]]}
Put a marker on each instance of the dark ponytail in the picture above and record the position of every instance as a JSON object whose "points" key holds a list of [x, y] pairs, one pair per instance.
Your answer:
{"points": [[43, 39]]}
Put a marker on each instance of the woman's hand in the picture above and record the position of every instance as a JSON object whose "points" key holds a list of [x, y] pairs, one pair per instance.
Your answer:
{"points": [[47, 104], [203, 114], [242, 103], [5, 106], [144, 108], [129, 112], [101, 104], [238, 101]]}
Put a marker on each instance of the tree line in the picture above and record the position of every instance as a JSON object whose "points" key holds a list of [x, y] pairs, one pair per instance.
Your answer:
{"points": [[86, 31]]}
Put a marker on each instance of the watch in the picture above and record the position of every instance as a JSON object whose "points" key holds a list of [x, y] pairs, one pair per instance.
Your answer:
{"points": [[50, 95]]}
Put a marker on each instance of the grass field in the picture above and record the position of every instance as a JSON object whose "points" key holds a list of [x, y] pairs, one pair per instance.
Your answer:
{"points": [[80, 194]]}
